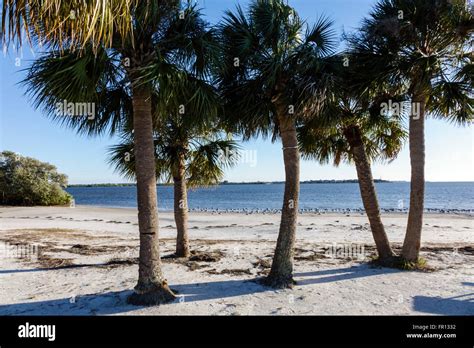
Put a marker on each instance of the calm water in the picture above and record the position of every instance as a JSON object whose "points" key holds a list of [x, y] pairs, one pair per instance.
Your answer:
{"points": [[452, 196]]}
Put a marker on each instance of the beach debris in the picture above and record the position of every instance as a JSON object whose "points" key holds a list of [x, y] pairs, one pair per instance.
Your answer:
{"points": [[237, 272], [201, 256], [262, 263]]}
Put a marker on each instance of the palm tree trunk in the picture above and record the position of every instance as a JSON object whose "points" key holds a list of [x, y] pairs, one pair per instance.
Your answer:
{"points": [[368, 192], [151, 288], [181, 210], [412, 242], [281, 273]]}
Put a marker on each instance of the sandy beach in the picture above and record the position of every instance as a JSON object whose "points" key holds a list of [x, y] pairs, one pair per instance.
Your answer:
{"points": [[83, 261]]}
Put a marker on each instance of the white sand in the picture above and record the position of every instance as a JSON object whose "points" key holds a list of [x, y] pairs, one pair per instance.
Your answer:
{"points": [[326, 285]]}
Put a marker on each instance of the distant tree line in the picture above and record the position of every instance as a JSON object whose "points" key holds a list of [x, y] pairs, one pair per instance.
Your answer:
{"points": [[225, 182]]}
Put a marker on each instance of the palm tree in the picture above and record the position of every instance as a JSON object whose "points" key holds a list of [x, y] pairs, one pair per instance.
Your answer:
{"points": [[352, 129], [119, 76], [265, 53], [185, 155], [426, 48]]}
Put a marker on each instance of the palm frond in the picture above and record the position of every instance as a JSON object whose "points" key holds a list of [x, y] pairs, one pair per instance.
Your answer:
{"points": [[454, 101], [208, 161], [67, 24], [322, 36], [92, 79]]}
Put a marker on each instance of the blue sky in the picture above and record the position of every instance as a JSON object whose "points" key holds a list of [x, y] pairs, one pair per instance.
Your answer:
{"points": [[449, 149]]}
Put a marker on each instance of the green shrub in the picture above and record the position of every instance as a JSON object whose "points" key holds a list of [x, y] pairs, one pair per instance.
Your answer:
{"points": [[27, 181]]}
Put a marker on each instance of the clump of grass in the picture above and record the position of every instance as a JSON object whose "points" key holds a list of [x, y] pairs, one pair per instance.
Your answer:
{"points": [[418, 265], [399, 262]]}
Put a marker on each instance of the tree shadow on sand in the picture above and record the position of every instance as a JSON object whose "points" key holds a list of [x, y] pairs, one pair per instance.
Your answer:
{"points": [[338, 274], [82, 265], [115, 302], [45, 269], [456, 305]]}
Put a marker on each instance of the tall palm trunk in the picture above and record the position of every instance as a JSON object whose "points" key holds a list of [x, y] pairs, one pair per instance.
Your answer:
{"points": [[152, 287], [281, 273], [368, 192], [412, 242], [181, 210]]}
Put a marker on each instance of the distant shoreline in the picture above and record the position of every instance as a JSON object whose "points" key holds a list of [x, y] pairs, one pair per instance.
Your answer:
{"points": [[350, 181]]}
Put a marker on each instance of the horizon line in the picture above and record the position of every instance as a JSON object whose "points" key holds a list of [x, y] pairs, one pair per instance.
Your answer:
{"points": [[225, 182]]}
